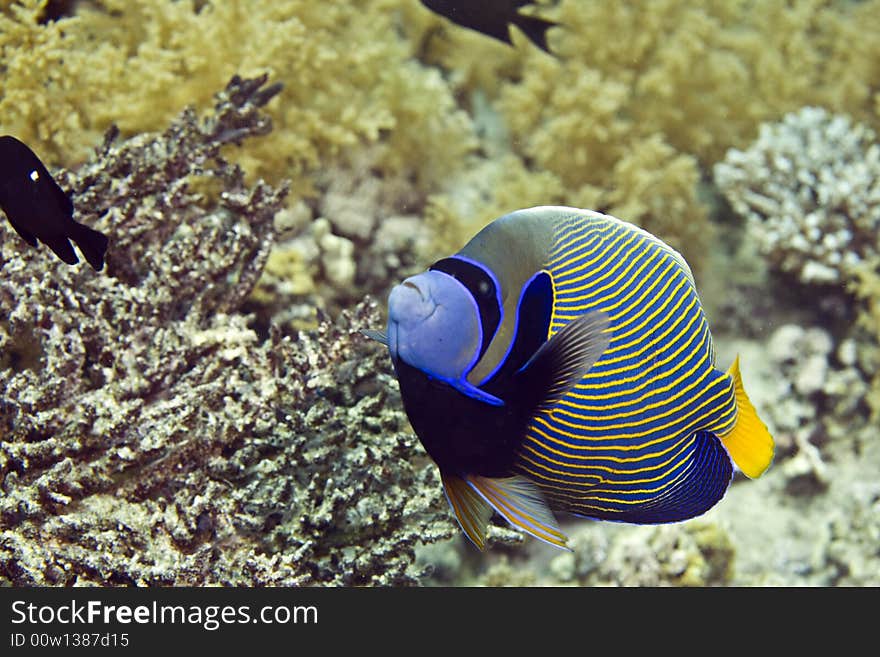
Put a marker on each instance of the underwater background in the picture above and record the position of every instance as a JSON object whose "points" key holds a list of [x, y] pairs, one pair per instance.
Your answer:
{"points": [[206, 411]]}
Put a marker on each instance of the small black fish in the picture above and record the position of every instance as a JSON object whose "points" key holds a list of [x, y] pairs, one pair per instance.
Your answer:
{"points": [[38, 208], [491, 17]]}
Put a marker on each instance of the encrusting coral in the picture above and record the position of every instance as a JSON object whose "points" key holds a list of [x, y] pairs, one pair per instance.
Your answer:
{"points": [[149, 436]]}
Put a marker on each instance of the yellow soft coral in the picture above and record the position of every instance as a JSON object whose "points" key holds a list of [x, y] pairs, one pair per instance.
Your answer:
{"points": [[705, 74], [643, 96], [136, 63]]}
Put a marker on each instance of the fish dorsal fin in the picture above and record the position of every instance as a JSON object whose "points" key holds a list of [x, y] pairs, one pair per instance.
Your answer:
{"points": [[564, 359], [378, 336], [749, 442], [471, 510], [522, 505]]}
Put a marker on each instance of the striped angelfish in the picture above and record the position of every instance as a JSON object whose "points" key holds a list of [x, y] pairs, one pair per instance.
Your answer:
{"points": [[561, 361]]}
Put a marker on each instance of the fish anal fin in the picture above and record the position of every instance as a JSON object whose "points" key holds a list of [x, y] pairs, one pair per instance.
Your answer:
{"points": [[472, 511], [564, 359], [91, 242], [520, 502], [62, 248], [749, 442]]}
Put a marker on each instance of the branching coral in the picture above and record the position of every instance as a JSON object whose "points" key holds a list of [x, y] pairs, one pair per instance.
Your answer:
{"points": [[809, 188], [150, 437]]}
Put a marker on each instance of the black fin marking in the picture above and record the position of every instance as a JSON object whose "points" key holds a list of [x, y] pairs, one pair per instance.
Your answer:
{"points": [[564, 359], [483, 286]]}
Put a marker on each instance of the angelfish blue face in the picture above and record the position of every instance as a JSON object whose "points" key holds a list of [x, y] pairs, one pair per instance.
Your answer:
{"points": [[434, 325]]}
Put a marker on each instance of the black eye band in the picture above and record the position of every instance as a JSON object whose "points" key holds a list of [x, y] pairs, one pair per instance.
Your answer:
{"points": [[484, 288]]}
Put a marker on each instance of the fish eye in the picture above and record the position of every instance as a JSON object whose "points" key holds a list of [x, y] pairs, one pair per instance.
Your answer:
{"points": [[34, 175], [483, 287]]}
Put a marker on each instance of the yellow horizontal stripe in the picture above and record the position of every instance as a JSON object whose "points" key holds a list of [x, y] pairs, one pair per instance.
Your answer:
{"points": [[652, 392], [717, 408], [620, 258], [640, 379], [584, 228], [678, 446], [597, 494], [621, 320], [532, 443], [638, 408], [596, 286], [656, 340], [563, 250], [567, 298], [647, 366]]}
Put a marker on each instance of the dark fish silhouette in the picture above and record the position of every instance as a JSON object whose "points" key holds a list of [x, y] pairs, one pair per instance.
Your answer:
{"points": [[38, 208], [491, 17]]}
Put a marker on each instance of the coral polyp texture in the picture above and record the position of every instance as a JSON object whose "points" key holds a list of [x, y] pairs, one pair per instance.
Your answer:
{"points": [[149, 436]]}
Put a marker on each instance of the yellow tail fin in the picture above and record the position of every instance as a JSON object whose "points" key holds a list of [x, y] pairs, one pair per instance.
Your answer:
{"points": [[749, 442]]}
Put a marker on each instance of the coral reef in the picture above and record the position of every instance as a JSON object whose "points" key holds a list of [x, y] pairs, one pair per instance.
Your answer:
{"points": [[817, 404], [359, 233], [150, 436], [205, 411], [809, 188], [697, 553]]}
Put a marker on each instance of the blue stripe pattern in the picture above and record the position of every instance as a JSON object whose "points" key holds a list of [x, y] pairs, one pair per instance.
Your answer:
{"points": [[636, 440]]}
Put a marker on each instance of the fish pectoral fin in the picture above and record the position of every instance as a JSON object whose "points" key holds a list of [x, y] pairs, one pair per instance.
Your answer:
{"points": [[564, 359], [749, 442], [378, 336], [471, 510], [522, 505]]}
